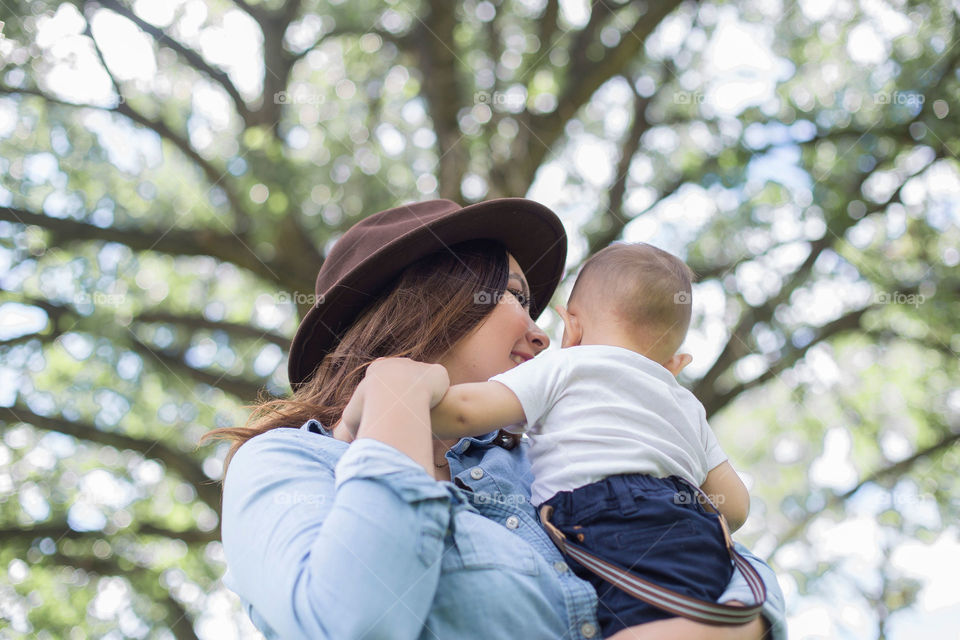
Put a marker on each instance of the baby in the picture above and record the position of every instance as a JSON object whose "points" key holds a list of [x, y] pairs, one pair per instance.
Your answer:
{"points": [[614, 438]]}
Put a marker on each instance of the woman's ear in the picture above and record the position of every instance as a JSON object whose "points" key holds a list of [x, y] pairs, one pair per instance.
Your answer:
{"points": [[572, 331]]}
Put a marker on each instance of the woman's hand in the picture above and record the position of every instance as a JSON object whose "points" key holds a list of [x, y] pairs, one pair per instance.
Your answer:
{"points": [[392, 404], [414, 375], [396, 373]]}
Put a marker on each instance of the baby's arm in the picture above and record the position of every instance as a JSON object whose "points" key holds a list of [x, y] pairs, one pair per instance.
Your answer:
{"points": [[728, 492], [475, 408]]}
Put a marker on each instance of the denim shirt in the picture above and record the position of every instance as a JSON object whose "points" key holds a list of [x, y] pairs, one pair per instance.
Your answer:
{"points": [[329, 540]]}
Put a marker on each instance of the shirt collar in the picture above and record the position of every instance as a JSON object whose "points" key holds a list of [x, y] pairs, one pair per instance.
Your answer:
{"points": [[465, 443], [314, 426]]}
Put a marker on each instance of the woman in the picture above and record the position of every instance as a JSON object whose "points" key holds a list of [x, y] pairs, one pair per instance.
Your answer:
{"points": [[390, 533]]}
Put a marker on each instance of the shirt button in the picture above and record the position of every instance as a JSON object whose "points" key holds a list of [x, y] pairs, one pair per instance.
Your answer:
{"points": [[560, 566], [513, 522], [588, 629], [476, 473]]}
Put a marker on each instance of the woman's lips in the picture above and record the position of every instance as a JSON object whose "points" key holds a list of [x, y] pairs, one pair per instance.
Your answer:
{"points": [[519, 357]]}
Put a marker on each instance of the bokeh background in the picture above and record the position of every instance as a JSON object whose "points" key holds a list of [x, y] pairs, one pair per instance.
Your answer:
{"points": [[172, 173]]}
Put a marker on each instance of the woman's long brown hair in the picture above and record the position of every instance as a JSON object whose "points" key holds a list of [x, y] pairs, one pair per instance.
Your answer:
{"points": [[430, 306]]}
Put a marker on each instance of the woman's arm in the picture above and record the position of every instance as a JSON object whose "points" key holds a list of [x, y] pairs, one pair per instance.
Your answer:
{"points": [[322, 548], [392, 404], [333, 551]]}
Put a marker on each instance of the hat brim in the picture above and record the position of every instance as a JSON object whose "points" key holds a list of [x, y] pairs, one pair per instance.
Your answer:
{"points": [[532, 233]]}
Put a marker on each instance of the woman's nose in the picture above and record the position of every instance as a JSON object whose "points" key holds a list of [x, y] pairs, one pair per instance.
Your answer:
{"points": [[537, 338]]}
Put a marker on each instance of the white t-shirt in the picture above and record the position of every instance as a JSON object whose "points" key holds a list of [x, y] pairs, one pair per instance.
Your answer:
{"points": [[594, 411]]}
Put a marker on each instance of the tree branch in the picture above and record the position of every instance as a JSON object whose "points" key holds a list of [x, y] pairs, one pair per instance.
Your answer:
{"points": [[277, 61], [936, 89], [600, 12], [438, 64], [709, 272], [44, 338], [737, 345], [213, 174], [612, 219], [549, 23], [582, 81], [401, 40], [49, 333], [174, 363], [199, 322], [256, 12], [60, 530], [196, 242], [893, 470], [615, 220], [847, 322], [179, 461], [178, 618], [190, 56], [928, 343]]}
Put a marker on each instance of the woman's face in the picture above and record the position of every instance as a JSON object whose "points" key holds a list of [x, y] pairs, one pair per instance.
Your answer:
{"points": [[505, 338]]}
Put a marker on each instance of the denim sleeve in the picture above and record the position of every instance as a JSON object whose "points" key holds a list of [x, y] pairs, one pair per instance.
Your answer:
{"points": [[324, 551], [773, 608]]}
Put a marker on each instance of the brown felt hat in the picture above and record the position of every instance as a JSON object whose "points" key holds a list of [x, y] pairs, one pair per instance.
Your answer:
{"points": [[375, 250]]}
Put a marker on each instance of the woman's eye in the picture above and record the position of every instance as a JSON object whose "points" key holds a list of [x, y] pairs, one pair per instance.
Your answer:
{"points": [[521, 298]]}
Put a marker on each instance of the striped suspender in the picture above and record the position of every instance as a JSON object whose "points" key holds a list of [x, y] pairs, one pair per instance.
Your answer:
{"points": [[671, 601]]}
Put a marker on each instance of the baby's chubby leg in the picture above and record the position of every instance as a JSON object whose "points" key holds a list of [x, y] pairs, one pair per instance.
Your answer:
{"points": [[683, 629]]}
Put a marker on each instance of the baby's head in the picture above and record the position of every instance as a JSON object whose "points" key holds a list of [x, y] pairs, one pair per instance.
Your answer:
{"points": [[635, 292]]}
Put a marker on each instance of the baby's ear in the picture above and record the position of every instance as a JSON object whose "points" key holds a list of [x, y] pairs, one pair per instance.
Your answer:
{"points": [[572, 332], [676, 363]]}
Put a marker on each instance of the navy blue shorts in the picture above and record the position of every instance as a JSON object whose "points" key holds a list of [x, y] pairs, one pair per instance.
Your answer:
{"points": [[653, 527]]}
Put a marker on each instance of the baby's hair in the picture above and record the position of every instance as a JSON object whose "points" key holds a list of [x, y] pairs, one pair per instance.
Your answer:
{"points": [[648, 288]]}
